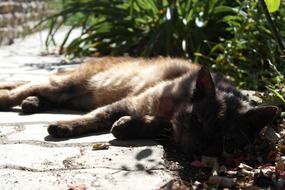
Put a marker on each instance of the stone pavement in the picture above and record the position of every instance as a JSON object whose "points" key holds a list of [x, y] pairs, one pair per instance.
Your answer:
{"points": [[30, 159]]}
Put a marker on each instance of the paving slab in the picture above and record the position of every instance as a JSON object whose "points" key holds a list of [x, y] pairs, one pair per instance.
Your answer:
{"points": [[91, 179], [4, 131], [31, 159], [145, 158], [36, 158]]}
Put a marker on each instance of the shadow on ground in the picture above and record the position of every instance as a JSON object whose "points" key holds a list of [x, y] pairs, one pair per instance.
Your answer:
{"points": [[55, 139]]}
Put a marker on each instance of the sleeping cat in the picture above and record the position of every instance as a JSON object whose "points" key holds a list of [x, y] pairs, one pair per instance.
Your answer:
{"points": [[139, 98]]}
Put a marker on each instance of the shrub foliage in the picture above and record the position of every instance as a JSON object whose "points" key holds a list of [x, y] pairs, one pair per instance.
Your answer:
{"points": [[231, 36]]}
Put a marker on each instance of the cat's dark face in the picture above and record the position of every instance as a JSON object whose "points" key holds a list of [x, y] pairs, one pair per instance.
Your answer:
{"points": [[213, 121]]}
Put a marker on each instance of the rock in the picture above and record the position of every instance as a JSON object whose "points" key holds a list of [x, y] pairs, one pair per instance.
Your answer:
{"points": [[245, 166]]}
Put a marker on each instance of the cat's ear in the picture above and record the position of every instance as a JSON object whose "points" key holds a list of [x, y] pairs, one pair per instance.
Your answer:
{"points": [[261, 116], [204, 84]]}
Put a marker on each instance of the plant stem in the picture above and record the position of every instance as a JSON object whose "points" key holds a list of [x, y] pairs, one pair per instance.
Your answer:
{"points": [[273, 27]]}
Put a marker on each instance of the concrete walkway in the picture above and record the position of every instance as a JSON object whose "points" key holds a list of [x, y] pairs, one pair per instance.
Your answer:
{"points": [[30, 159]]}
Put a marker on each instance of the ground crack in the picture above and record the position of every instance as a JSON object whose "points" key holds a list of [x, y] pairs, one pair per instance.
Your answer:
{"points": [[49, 144], [23, 168]]}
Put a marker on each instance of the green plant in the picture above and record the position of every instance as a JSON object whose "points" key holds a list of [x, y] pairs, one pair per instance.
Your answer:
{"points": [[272, 5], [252, 56], [142, 27], [232, 36]]}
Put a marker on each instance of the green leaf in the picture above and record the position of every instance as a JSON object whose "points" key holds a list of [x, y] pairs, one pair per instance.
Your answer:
{"points": [[277, 94], [272, 5]]}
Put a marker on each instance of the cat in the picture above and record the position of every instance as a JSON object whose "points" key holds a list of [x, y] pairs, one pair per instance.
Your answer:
{"points": [[140, 98]]}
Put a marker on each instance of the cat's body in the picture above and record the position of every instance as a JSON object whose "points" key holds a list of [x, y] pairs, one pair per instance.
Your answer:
{"points": [[139, 98]]}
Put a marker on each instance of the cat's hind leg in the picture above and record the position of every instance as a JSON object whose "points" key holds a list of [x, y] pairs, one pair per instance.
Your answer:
{"points": [[5, 88], [11, 85], [57, 91]]}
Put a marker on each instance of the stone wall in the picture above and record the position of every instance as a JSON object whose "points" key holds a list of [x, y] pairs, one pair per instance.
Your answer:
{"points": [[18, 17]]}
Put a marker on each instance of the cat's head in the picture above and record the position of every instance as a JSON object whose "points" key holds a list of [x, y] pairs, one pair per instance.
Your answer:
{"points": [[214, 121]]}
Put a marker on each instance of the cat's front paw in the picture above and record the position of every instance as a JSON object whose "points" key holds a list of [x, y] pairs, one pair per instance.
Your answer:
{"points": [[61, 130], [5, 100], [122, 128], [30, 105]]}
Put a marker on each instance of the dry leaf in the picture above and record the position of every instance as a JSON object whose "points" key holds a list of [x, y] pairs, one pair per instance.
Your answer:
{"points": [[100, 146], [244, 166]]}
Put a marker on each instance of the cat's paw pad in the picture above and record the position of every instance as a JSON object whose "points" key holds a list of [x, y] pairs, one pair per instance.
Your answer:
{"points": [[123, 121], [60, 130], [30, 105], [122, 127]]}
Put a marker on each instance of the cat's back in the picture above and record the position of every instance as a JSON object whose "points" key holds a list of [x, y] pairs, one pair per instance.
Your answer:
{"points": [[124, 77]]}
